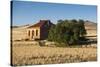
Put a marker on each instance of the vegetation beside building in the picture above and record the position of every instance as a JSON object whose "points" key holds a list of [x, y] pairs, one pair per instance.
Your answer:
{"points": [[67, 32]]}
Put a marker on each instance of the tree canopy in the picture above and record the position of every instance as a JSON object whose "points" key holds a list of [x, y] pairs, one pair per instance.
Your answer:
{"points": [[67, 31]]}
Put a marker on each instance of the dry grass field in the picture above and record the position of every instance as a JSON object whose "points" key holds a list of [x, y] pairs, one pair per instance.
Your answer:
{"points": [[34, 54], [27, 53]]}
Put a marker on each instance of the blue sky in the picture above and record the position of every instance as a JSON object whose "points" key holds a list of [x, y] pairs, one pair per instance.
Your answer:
{"points": [[31, 12]]}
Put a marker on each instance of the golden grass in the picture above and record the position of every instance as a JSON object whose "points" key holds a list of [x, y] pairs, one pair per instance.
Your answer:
{"points": [[26, 55]]}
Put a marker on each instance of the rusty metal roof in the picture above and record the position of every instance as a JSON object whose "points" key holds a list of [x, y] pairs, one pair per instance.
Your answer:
{"points": [[40, 23]]}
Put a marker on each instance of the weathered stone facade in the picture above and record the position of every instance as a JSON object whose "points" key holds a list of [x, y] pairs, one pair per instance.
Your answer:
{"points": [[39, 30]]}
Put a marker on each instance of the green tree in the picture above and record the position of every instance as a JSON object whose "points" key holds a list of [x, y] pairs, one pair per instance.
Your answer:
{"points": [[82, 28], [67, 31]]}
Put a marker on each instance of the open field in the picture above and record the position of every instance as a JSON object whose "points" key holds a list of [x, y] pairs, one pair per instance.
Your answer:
{"points": [[34, 54], [29, 52]]}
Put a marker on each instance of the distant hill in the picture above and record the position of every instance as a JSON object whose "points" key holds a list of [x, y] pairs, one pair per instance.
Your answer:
{"points": [[20, 32], [90, 25], [22, 26], [14, 26]]}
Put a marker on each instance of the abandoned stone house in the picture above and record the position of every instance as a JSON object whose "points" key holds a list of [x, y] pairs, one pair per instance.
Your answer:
{"points": [[39, 30]]}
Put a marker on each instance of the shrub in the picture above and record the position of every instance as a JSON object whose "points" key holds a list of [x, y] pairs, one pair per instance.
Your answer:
{"points": [[67, 31]]}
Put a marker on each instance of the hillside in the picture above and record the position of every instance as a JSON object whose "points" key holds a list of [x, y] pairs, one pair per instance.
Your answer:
{"points": [[19, 32], [91, 28]]}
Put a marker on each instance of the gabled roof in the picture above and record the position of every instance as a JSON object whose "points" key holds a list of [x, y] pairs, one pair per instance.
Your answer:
{"points": [[40, 23]]}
